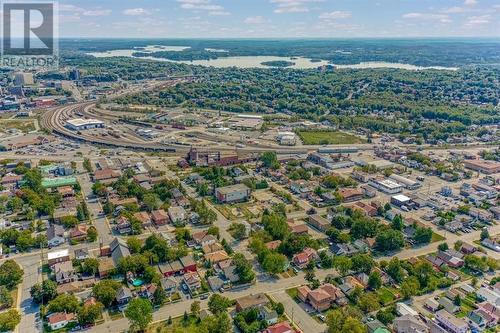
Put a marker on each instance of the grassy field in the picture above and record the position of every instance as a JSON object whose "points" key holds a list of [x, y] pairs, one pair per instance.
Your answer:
{"points": [[328, 138], [292, 292], [436, 238], [177, 326], [24, 125]]}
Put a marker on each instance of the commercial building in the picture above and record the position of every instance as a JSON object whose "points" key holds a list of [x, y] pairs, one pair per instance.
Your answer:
{"points": [[22, 79], [287, 138], [386, 185], [487, 167], [79, 124], [401, 200], [233, 193], [407, 183]]}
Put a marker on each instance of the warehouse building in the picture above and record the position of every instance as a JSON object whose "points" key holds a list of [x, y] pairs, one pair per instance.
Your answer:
{"points": [[79, 124], [486, 167], [407, 183], [402, 201], [386, 185], [233, 193]]}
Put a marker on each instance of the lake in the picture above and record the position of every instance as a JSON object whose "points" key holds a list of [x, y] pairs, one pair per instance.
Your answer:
{"points": [[256, 61]]}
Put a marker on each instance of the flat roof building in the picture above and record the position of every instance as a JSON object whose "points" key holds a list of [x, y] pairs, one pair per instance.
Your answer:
{"points": [[487, 167], [82, 124], [386, 185], [407, 183]]}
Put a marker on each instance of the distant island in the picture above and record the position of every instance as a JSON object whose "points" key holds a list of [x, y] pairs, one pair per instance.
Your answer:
{"points": [[278, 63]]}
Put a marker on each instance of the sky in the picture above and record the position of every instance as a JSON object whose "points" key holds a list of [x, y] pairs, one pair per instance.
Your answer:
{"points": [[279, 18]]}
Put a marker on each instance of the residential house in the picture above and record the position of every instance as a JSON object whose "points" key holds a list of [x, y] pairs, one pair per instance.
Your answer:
{"points": [[123, 225], [81, 254], [59, 320], [123, 296], [169, 285], [159, 217], [192, 281], [319, 222], [216, 256], [452, 323], [268, 315], [215, 283], [302, 259], [321, 298], [55, 235], [148, 291], [366, 209], [282, 327], [251, 301], [177, 215], [144, 218], [273, 245], [78, 233], [409, 324], [64, 272]]}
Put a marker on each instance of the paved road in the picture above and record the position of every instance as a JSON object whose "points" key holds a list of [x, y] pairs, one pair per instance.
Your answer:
{"points": [[32, 275], [101, 223], [301, 318]]}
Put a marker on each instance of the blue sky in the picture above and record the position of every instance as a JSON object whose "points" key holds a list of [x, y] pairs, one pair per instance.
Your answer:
{"points": [[279, 18]]}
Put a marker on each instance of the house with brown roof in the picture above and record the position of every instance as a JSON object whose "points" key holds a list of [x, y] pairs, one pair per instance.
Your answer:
{"points": [[144, 218], [297, 229], [60, 319], [367, 210], [251, 302], [79, 232], [319, 222], [302, 259], [216, 256], [350, 194], [106, 174], [159, 217], [211, 248], [322, 298], [66, 191]]}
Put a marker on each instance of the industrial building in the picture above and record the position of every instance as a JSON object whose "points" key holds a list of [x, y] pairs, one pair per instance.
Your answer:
{"points": [[401, 200], [287, 138], [486, 167], [386, 185], [79, 124], [407, 183], [233, 193], [22, 79]]}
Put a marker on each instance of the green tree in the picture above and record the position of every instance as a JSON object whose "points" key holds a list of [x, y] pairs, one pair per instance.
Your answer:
{"points": [[374, 280], [397, 222], [11, 274], [389, 240], [105, 291], [362, 263], [195, 308], [92, 234], [90, 266], [218, 304], [151, 201], [44, 292], [270, 160], [244, 268], [64, 303], [369, 302], [274, 263], [139, 312], [238, 231], [87, 165], [9, 320], [342, 264], [410, 287], [443, 247], [5, 298], [134, 244], [90, 313], [484, 234]]}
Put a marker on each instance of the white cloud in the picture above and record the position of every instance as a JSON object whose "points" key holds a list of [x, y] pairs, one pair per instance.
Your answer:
{"points": [[219, 13], [97, 12], [454, 10], [135, 12], [470, 2], [478, 20], [428, 17], [293, 6], [338, 14], [255, 20]]}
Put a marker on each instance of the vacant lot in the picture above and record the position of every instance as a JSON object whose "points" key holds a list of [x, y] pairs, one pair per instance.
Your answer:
{"points": [[328, 138], [24, 125]]}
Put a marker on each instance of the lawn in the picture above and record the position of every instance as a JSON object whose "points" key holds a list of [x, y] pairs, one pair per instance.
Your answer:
{"points": [[328, 138], [177, 326], [292, 292], [436, 238], [385, 295]]}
